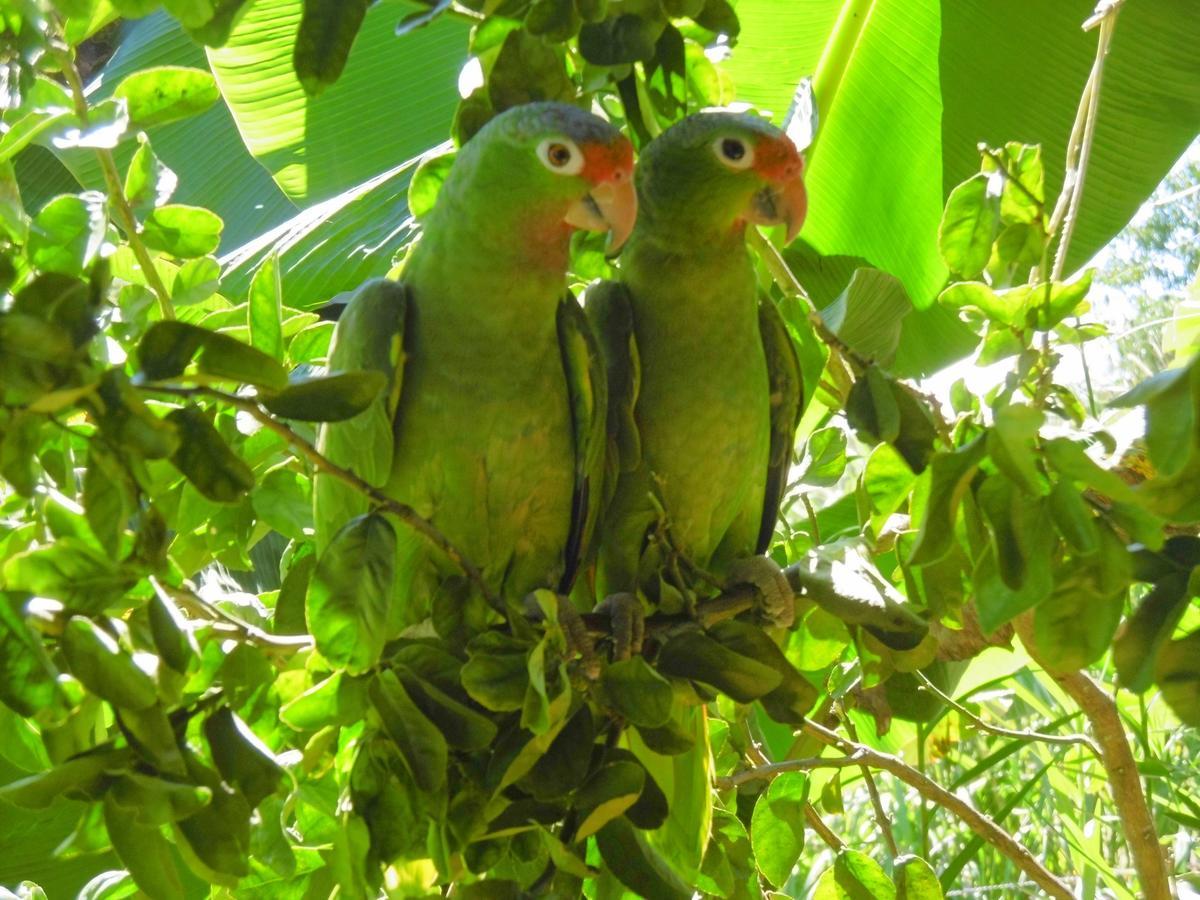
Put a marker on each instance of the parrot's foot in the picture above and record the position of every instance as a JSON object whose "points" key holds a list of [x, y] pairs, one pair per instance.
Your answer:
{"points": [[579, 641], [628, 619], [776, 602]]}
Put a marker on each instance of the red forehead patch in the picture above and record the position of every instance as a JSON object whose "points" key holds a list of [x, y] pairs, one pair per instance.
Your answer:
{"points": [[777, 159], [607, 162]]}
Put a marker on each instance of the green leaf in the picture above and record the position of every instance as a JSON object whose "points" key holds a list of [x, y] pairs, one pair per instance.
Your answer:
{"points": [[27, 677], [301, 138], [871, 407], [1037, 306], [1011, 444], [1172, 401], [129, 423], [611, 790], [145, 853], [694, 655], [332, 398], [283, 499], [70, 570], [156, 801], [463, 728], [968, 226], [777, 826], [206, 460], [30, 126], [1138, 645], [868, 315], [78, 774], [243, 760], [104, 668], [166, 94], [327, 32], [916, 880], [628, 855], [107, 497], [1023, 197], [427, 182], [854, 876], [66, 235], [225, 178], [349, 604], [1073, 517], [565, 764], [496, 674], [197, 280], [422, 747], [182, 231], [825, 455], [638, 693], [215, 842], [13, 219], [173, 637], [1178, 675], [1013, 573], [338, 700], [1075, 626], [168, 347], [951, 474], [915, 77], [265, 309], [528, 70], [794, 696], [1071, 460]]}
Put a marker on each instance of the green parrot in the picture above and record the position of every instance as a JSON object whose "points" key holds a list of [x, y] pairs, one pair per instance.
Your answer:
{"points": [[705, 390], [704, 401], [492, 427]]}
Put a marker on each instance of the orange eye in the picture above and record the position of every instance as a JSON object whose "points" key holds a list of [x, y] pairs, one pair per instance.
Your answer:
{"points": [[561, 156]]}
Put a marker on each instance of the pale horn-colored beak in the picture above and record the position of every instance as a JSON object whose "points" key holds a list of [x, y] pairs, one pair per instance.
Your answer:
{"points": [[609, 206], [785, 203]]}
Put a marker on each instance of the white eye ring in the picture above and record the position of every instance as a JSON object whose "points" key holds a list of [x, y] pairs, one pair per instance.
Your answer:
{"points": [[728, 149], [561, 156]]}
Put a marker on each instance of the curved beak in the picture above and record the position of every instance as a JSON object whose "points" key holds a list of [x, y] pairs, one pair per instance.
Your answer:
{"points": [[783, 203], [609, 206]]}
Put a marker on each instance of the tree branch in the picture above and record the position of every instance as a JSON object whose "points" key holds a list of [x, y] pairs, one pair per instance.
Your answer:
{"points": [[881, 816], [1030, 736], [250, 634], [982, 825], [319, 461], [1117, 759], [116, 192]]}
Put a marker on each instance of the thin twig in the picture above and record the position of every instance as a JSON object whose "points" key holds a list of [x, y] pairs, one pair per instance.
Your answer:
{"points": [[116, 192], [999, 162], [982, 825], [814, 526], [824, 832], [881, 816], [774, 770], [250, 634], [321, 463], [1108, 20], [1029, 736]]}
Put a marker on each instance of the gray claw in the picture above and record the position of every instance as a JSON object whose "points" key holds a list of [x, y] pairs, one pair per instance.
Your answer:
{"points": [[777, 603], [575, 630], [628, 623]]}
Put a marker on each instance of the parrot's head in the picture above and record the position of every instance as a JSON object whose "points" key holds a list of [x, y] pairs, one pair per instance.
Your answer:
{"points": [[544, 168], [717, 170]]}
